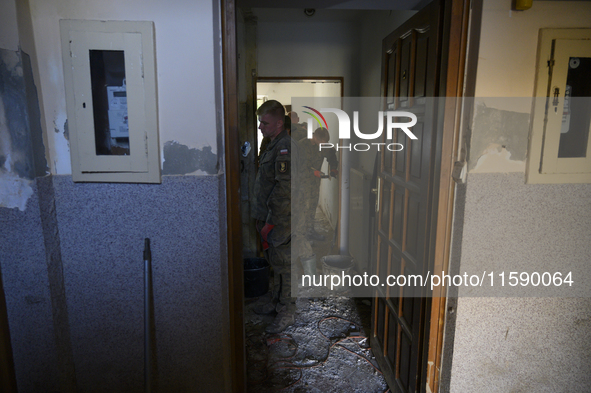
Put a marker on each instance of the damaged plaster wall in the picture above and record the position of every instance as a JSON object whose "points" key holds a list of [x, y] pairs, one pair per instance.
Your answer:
{"points": [[186, 88], [517, 344], [22, 154], [24, 258], [505, 79], [499, 139], [54, 270], [181, 160]]}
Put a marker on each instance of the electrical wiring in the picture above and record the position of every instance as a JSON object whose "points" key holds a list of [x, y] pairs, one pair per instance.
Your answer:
{"points": [[345, 339], [293, 367], [286, 364], [271, 340]]}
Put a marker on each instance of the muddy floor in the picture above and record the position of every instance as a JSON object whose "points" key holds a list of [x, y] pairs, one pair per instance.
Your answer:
{"points": [[327, 348]]}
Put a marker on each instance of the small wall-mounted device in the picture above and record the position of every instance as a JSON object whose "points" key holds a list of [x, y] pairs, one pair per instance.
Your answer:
{"points": [[117, 98]]}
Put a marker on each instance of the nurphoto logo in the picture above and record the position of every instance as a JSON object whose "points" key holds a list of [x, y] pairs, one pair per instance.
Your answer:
{"points": [[345, 128]]}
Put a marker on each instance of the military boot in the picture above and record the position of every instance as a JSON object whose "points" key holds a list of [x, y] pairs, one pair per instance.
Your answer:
{"points": [[265, 304], [284, 318]]}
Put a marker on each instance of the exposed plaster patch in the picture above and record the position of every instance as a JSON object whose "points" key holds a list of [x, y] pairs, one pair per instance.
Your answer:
{"points": [[21, 139], [497, 159], [60, 148], [11, 159], [66, 131], [198, 173], [501, 134], [14, 191], [61, 161], [12, 62], [180, 160]]}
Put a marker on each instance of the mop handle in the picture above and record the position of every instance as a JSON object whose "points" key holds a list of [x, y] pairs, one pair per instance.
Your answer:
{"points": [[147, 317]]}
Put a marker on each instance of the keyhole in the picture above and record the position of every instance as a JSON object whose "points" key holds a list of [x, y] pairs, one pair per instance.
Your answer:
{"points": [[84, 105]]}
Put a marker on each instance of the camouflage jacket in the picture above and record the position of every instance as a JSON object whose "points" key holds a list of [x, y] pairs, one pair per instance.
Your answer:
{"points": [[272, 188], [298, 131], [313, 158]]}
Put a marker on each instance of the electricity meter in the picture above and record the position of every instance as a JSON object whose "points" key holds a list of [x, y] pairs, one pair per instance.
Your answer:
{"points": [[118, 120]]}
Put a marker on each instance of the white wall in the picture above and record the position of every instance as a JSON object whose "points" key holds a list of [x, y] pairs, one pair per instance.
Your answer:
{"points": [[184, 62], [291, 44], [283, 92], [509, 39]]}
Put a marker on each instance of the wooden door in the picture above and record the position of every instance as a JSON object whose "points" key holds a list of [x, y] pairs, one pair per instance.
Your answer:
{"points": [[410, 76]]}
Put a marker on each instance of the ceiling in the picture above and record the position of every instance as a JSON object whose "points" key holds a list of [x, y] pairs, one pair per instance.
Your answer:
{"points": [[336, 4]]}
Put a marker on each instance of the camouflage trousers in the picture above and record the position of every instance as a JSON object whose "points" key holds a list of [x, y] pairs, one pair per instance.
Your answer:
{"points": [[312, 192], [279, 257]]}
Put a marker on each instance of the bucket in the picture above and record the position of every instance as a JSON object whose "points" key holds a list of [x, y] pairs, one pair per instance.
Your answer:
{"points": [[337, 265], [256, 277]]}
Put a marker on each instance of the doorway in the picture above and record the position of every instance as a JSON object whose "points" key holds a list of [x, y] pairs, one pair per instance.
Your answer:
{"points": [[451, 21], [284, 90]]}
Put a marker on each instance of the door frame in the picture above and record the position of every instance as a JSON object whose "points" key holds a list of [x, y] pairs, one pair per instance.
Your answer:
{"points": [[235, 268], [455, 35], [457, 25]]}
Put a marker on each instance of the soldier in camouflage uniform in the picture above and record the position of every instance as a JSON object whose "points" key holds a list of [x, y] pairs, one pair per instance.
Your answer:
{"points": [[298, 131], [272, 210], [311, 175]]}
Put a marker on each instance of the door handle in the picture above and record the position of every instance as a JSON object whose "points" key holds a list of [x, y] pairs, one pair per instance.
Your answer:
{"points": [[378, 192]]}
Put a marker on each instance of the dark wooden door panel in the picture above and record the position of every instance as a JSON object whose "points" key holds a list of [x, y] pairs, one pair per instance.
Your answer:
{"points": [[409, 77]]}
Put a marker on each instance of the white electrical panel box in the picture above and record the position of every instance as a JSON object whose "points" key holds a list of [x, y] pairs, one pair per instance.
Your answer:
{"points": [[110, 84], [560, 135]]}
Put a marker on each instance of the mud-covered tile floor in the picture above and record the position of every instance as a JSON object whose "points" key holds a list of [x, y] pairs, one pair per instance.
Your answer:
{"points": [[325, 350]]}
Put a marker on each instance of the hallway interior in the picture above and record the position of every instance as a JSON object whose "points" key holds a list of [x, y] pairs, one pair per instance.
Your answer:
{"points": [[325, 350]]}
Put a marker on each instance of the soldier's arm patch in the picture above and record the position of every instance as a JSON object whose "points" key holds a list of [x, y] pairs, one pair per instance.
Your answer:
{"points": [[282, 166]]}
